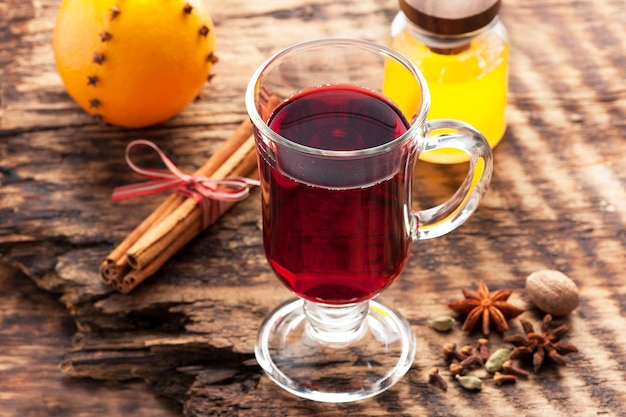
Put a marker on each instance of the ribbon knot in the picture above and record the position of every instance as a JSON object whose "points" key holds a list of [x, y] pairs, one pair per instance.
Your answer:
{"points": [[204, 190]]}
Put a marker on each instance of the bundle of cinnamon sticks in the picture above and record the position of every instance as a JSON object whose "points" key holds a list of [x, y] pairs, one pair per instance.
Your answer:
{"points": [[179, 218]]}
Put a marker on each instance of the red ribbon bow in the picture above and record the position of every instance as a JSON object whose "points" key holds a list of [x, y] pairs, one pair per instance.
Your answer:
{"points": [[206, 191]]}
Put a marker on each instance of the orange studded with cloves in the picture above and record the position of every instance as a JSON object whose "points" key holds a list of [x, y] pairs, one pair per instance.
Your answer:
{"points": [[134, 63]]}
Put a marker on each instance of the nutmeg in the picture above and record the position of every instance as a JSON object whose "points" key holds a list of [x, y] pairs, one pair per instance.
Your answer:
{"points": [[552, 292]]}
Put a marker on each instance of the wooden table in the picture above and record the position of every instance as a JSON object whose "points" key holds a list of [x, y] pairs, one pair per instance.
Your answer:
{"points": [[557, 201]]}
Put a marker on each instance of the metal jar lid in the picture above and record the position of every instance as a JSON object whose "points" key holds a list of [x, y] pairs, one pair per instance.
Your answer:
{"points": [[450, 17]]}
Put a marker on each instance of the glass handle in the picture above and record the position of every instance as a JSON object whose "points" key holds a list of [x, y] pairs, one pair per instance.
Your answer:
{"points": [[446, 217]]}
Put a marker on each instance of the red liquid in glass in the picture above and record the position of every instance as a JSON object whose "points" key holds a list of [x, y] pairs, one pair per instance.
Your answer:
{"points": [[335, 246]]}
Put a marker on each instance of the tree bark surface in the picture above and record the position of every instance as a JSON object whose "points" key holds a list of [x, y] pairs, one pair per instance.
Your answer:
{"points": [[557, 201]]}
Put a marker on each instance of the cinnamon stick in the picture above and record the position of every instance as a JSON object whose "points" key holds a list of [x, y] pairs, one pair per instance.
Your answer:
{"points": [[188, 215], [116, 265], [136, 276]]}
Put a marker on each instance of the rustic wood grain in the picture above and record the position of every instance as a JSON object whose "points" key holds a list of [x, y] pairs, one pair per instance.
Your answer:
{"points": [[557, 200], [36, 330]]}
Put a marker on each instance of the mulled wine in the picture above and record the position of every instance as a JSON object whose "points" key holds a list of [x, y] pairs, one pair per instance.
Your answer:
{"points": [[347, 243]]}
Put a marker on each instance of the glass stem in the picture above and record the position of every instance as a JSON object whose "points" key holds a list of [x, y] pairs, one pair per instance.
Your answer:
{"points": [[335, 325]]}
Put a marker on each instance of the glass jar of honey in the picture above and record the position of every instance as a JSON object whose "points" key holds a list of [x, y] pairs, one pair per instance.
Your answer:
{"points": [[461, 48]]}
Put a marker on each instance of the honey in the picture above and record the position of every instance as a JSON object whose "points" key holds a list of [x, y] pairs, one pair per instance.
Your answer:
{"points": [[467, 75]]}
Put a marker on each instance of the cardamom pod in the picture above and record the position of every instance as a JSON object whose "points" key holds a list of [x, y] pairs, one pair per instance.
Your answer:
{"points": [[442, 324], [470, 382], [497, 358]]}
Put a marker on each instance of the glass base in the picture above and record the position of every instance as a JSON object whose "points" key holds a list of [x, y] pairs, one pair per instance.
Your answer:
{"points": [[356, 365]]}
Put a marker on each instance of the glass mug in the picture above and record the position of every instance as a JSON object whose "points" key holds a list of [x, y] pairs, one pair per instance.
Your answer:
{"points": [[336, 164]]}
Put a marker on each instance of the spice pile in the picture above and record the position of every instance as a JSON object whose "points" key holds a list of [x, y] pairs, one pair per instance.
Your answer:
{"points": [[556, 294]]}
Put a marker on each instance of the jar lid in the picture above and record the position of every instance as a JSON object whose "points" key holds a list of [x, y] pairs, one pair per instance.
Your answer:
{"points": [[450, 17]]}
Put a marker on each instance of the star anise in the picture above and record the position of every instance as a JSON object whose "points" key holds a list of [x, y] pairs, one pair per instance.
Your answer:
{"points": [[541, 346], [491, 308]]}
